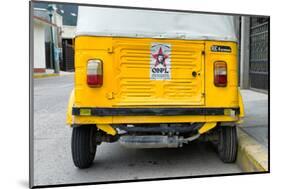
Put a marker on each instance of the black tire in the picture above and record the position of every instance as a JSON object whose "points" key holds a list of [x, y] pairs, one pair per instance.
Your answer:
{"points": [[83, 146], [227, 144]]}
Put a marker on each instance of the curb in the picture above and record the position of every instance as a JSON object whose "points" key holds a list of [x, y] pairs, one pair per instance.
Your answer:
{"points": [[36, 76], [252, 156]]}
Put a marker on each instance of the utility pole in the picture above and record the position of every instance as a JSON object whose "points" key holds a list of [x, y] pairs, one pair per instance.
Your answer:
{"points": [[52, 51]]}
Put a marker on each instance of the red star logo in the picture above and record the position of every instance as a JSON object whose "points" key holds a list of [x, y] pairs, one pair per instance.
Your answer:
{"points": [[160, 58]]}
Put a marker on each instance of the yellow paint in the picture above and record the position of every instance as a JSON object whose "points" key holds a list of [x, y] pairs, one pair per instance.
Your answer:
{"points": [[36, 76], [241, 105], [126, 79], [207, 126], [150, 119], [218, 118], [107, 128], [69, 119], [252, 156], [221, 96]]}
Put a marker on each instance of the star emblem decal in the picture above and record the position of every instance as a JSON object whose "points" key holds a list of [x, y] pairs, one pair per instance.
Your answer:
{"points": [[160, 58]]}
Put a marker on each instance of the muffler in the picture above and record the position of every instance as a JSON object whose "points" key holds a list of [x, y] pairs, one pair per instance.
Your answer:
{"points": [[154, 141]]}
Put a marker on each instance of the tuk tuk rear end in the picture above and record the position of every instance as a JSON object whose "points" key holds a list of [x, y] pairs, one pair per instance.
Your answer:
{"points": [[153, 79]]}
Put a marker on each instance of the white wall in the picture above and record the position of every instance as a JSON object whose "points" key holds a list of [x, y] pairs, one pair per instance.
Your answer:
{"points": [[39, 45]]}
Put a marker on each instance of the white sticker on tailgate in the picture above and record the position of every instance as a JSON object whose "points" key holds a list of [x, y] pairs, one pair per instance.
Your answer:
{"points": [[160, 61]]}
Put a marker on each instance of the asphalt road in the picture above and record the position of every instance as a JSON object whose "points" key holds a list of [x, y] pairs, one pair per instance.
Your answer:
{"points": [[52, 153]]}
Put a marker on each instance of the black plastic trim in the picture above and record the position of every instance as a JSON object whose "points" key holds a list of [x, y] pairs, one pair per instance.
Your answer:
{"points": [[152, 111]]}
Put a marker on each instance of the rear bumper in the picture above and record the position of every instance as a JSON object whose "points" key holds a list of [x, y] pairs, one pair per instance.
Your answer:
{"points": [[79, 115], [89, 111]]}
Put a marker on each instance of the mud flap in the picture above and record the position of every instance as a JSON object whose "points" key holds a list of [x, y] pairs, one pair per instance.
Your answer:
{"points": [[206, 127]]}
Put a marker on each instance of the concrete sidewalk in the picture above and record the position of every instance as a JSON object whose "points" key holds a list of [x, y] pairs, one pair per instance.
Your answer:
{"points": [[256, 115]]}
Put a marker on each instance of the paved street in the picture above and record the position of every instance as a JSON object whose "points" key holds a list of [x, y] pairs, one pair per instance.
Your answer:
{"points": [[52, 153]]}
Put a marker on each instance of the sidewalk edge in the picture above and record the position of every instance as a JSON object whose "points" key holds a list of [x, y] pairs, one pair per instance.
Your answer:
{"points": [[252, 156], [36, 76]]}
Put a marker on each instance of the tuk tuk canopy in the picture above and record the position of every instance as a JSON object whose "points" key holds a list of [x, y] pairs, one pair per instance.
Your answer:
{"points": [[121, 22]]}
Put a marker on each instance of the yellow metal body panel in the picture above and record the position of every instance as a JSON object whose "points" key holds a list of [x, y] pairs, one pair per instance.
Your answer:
{"points": [[126, 80], [207, 126], [241, 105], [132, 82], [221, 96], [69, 119], [126, 73], [151, 119]]}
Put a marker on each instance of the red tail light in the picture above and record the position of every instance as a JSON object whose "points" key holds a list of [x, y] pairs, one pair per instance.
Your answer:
{"points": [[220, 74], [94, 73]]}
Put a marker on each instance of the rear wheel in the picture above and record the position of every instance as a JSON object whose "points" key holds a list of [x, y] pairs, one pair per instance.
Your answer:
{"points": [[227, 144], [83, 146]]}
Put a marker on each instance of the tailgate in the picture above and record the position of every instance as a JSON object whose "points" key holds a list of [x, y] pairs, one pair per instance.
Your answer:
{"points": [[158, 72]]}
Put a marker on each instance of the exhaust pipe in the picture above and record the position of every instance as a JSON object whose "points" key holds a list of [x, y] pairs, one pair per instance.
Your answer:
{"points": [[155, 141]]}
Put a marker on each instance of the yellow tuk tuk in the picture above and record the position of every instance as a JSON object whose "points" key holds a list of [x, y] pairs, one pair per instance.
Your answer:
{"points": [[153, 79]]}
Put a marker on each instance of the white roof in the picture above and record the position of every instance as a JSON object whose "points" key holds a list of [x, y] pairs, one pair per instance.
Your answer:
{"points": [[103, 21]]}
